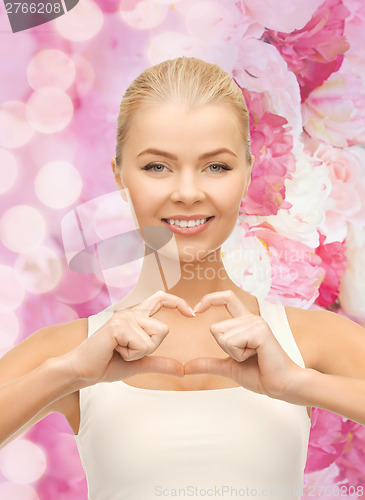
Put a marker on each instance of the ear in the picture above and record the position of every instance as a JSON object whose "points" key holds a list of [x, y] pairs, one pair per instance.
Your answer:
{"points": [[118, 178]]}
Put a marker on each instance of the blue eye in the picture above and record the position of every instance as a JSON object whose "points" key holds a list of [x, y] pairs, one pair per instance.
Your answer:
{"points": [[224, 167], [151, 166]]}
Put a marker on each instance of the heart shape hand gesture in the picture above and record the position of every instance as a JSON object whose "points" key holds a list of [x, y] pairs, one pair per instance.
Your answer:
{"points": [[122, 347]]}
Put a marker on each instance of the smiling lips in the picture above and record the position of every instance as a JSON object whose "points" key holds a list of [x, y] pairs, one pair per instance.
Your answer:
{"points": [[188, 224]]}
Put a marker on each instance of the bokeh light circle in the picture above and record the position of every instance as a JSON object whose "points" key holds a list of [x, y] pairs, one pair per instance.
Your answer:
{"points": [[11, 291], [8, 170], [49, 110], [22, 461], [76, 288], [15, 130], [9, 331], [39, 270], [58, 184], [61, 313], [123, 276], [82, 23], [51, 68], [112, 216], [22, 227], [143, 15], [15, 491]]}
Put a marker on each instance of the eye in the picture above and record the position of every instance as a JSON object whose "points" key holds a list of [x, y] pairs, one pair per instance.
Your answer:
{"points": [[224, 167], [157, 167], [151, 166]]}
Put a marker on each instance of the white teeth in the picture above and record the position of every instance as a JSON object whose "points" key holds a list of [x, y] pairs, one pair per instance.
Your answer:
{"points": [[185, 223]]}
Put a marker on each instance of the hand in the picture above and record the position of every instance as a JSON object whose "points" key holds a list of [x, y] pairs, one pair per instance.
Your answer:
{"points": [[121, 347], [256, 359]]}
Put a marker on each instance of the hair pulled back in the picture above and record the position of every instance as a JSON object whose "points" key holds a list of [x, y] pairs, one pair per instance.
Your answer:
{"points": [[185, 81]]}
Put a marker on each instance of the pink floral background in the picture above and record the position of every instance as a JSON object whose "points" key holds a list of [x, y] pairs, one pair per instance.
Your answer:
{"points": [[301, 68]]}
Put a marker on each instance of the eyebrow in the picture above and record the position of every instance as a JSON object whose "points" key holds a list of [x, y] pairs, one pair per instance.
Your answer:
{"points": [[158, 152]]}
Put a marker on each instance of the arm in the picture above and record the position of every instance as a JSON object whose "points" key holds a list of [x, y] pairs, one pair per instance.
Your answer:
{"points": [[25, 397], [33, 383], [334, 347], [342, 395]]}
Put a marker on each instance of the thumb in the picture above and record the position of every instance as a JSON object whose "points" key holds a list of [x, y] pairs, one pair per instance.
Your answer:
{"points": [[215, 366], [158, 364]]}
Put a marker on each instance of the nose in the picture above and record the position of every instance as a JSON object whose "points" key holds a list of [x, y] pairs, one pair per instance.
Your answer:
{"points": [[187, 188]]}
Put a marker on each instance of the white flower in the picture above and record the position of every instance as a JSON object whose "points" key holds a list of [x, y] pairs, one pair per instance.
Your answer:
{"points": [[308, 191], [247, 262], [352, 287]]}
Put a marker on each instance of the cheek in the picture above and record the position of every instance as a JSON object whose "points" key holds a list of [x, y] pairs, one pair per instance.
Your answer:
{"points": [[144, 198], [231, 195]]}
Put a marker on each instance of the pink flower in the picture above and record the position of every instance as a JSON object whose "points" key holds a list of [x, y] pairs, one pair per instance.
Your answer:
{"points": [[314, 52], [274, 160], [345, 169], [282, 15], [354, 27], [334, 263], [334, 112], [322, 484], [327, 439], [296, 271], [261, 68], [351, 461], [330, 115]]}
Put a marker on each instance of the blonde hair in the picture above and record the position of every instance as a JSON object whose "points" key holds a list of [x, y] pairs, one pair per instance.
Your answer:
{"points": [[187, 81]]}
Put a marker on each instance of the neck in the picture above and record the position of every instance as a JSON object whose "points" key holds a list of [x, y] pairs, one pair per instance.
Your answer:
{"points": [[188, 280]]}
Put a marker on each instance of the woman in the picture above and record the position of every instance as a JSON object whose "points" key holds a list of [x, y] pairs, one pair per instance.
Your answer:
{"points": [[213, 401]]}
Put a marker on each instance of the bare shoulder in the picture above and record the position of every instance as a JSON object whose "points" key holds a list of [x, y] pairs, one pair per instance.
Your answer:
{"points": [[47, 342], [328, 341]]}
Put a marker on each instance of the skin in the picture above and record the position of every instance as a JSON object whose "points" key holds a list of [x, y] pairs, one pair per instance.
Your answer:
{"points": [[329, 343], [186, 186], [189, 185], [332, 346]]}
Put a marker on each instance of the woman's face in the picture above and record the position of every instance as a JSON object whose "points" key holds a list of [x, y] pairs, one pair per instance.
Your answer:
{"points": [[186, 163]]}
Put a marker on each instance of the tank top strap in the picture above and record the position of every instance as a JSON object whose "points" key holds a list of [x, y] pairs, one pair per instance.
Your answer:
{"points": [[96, 321], [275, 316]]}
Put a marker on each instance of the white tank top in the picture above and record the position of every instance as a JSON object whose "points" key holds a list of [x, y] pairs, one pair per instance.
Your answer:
{"points": [[142, 444]]}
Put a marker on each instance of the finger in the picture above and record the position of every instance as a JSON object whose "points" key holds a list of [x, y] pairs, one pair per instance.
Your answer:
{"points": [[155, 329], [158, 364], [238, 341], [137, 343], [134, 344], [226, 325], [153, 325], [164, 299], [236, 347], [225, 298], [215, 366], [150, 305]]}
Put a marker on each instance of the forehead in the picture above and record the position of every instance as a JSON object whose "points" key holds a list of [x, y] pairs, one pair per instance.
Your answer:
{"points": [[173, 126]]}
